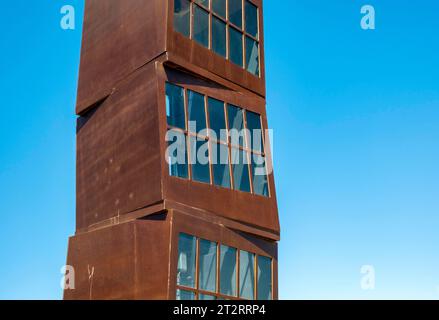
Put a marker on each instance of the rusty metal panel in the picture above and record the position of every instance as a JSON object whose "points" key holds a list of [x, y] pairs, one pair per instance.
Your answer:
{"points": [[103, 262], [188, 50], [129, 210], [235, 205], [119, 37], [152, 258], [126, 261], [118, 152]]}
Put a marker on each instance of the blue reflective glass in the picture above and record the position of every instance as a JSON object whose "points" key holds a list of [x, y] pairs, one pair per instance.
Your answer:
{"points": [[264, 278], [219, 7], [240, 170], [220, 165], [219, 38], [175, 106], [236, 125], [217, 119], [206, 297], [196, 112], [177, 154], [207, 265], [199, 154], [185, 295], [203, 2], [235, 12], [235, 46], [228, 271], [182, 17], [259, 175], [246, 275], [251, 19], [201, 26], [252, 56], [254, 126], [186, 260]]}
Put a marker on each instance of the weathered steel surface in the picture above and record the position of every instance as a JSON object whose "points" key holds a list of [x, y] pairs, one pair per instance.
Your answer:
{"points": [[129, 210], [118, 152], [136, 260], [120, 36], [121, 161], [126, 261], [232, 204]]}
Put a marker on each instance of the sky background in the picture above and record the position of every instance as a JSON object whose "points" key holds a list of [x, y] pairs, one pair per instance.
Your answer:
{"points": [[355, 116]]}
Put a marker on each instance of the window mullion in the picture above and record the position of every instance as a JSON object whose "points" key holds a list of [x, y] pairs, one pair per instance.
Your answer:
{"points": [[272, 279], [226, 116], [207, 138], [187, 135], [238, 273], [244, 49], [197, 265], [210, 31], [218, 265], [256, 276], [243, 15], [247, 147], [191, 21], [227, 30]]}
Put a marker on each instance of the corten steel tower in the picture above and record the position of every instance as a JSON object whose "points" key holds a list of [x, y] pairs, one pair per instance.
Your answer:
{"points": [[147, 227]]}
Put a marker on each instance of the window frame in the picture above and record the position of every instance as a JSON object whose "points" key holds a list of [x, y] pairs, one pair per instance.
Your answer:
{"points": [[246, 148], [217, 294], [229, 24]]}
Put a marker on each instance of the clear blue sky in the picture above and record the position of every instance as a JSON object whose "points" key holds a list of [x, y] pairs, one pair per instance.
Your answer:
{"points": [[355, 116]]}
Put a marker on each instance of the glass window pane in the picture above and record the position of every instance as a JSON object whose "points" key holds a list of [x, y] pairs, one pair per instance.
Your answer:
{"points": [[177, 154], [235, 46], [186, 261], [236, 125], [185, 295], [246, 275], [182, 17], [217, 119], [201, 26], [251, 19], [228, 271], [207, 265], [259, 175], [196, 112], [219, 37], [240, 170], [220, 165], [175, 106], [255, 131], [252, 56], [235, 12], [199, 155], [206, 297], [264, 278], [203, 2], [219, 7]]}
